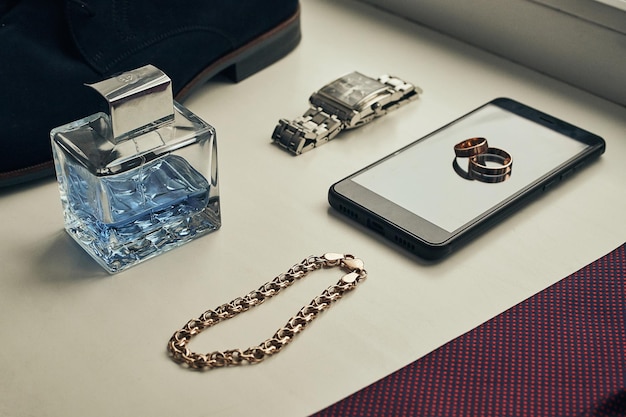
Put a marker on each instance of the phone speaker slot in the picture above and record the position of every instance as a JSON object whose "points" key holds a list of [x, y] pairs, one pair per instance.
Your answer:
{"points": [[345, 210], [404, 243]]}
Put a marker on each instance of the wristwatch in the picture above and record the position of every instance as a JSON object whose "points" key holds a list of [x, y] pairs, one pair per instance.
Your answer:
{"points": [[348, 102]]}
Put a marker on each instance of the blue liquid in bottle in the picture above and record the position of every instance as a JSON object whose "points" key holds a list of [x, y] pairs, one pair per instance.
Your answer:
{"points": [[127, 200]]}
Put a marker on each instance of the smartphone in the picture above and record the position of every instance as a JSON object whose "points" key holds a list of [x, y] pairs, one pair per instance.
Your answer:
{"points": [[430, 201]]}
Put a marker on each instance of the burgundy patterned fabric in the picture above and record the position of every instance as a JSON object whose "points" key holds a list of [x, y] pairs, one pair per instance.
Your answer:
{"points": [[559, 353]]}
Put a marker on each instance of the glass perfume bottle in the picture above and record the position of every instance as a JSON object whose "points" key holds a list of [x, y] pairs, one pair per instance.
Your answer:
{"points": [[141, 180]]}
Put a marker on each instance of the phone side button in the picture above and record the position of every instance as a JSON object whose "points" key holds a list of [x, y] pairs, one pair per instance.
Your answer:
{"points": [[550, 184], [580, 165], [567, 174]]}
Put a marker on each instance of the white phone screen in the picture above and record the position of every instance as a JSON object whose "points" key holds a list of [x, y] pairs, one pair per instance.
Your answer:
{"points": [[422, 179]]}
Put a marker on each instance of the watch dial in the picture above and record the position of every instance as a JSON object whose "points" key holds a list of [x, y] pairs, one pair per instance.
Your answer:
{"points": [[352, 88]]}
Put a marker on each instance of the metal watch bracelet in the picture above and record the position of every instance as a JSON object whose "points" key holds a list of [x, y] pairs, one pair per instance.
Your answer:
{"points": [[321, 123]]}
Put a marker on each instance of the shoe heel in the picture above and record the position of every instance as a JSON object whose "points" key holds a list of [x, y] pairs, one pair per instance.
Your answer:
{"points": [[251, 58], [266, 51]]}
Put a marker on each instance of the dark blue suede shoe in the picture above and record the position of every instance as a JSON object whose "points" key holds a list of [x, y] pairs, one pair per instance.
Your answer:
{"points": [[50, 48], [6, 5]]}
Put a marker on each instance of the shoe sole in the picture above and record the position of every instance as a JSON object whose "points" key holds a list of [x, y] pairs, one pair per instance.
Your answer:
{"points": [[237, 65]]}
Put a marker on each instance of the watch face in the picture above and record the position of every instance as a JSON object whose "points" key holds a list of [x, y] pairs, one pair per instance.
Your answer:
{"points": [[352, 88]]}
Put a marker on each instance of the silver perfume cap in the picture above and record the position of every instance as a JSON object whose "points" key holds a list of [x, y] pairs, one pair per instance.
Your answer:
{"points": [[137, 99]]}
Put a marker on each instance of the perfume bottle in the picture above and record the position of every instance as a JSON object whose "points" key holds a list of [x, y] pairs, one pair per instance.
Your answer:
{"points": [[141, 180]]}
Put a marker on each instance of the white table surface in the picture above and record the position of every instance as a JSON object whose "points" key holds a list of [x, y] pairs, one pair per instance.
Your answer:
{"points": [[78, 342]]}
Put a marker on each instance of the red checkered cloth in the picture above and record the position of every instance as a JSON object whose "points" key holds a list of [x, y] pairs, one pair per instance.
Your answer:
{"points": [[561, 352]]}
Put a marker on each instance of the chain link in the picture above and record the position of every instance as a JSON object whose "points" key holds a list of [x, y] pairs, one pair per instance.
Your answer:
{"points": [[177, 345]]}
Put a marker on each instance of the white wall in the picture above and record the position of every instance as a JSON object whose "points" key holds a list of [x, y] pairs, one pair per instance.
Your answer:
{"points": [[581, 42]]}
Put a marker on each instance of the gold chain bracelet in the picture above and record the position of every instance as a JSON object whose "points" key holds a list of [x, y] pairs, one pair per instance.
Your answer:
{"points": [[177, 345]]}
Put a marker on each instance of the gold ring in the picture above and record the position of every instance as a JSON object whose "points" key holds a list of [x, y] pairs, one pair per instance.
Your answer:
{"points": [[489, 178], [471, 147], [477, 163]]}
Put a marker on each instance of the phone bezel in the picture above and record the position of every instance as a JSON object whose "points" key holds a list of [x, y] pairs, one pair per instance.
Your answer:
{"points": [[430, 241]]}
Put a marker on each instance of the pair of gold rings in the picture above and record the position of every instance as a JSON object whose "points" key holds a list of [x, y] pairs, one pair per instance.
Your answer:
{"points": [[485, 163]]}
